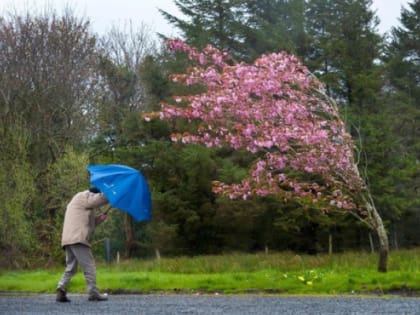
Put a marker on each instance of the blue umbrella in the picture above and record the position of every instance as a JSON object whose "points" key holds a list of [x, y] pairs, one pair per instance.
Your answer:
{"points": [[124, 187]]}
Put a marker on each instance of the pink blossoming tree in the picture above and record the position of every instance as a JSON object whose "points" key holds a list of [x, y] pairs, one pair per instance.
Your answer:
{"points": [[276, 108]]}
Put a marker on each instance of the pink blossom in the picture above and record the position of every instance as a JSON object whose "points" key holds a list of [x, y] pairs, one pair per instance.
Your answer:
{"points": [[271, 107], [308, 169], [202, 59]]}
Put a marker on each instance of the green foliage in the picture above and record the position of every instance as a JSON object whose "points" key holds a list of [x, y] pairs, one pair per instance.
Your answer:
{"points": [[183, 194], [403, 51], [120, 91], [155, 81], [343, 47], [275, 26], [230, 173], [54, 59], [210, 22], [391, 135], [47, 62], [16, 190], [64, 178]]}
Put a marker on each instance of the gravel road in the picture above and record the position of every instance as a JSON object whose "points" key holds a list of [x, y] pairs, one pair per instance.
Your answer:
{"points": [[207, 304]]}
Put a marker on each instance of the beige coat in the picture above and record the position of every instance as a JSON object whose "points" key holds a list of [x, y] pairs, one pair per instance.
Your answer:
{"points": [[80, 220]]}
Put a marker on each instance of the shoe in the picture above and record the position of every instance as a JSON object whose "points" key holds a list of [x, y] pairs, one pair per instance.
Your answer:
{"points": [[61, 296], [98, 298]]}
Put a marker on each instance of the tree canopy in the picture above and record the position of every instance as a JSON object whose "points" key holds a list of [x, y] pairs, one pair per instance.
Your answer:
{"points": [[274, 107]]}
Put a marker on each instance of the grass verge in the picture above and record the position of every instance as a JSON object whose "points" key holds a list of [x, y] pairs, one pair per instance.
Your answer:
{"points": [[276, 273]]}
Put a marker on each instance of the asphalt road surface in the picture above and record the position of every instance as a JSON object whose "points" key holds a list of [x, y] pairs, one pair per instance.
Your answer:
{"points": [[207, 304]]}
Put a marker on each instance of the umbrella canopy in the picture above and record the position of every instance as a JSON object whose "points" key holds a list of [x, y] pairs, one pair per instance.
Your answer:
{"points": [[124, 187]]}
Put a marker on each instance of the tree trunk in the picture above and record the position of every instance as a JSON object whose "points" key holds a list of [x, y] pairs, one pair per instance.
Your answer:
{"points": [[377, 224], [330, 244], [395, 234], [371, 243], [129, 236], [157, 252]]}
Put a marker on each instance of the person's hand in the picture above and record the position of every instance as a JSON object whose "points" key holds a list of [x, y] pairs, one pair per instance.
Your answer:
{"points": [[103, 217]]}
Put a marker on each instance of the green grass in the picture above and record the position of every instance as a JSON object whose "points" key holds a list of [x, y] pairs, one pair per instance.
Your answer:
{"points": [[278, 273]]}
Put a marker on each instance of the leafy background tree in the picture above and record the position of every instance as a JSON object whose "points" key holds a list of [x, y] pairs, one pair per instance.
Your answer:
{"points": [[215, 22], [16, 191], [47, 72], [400, 96], [274, 26]]}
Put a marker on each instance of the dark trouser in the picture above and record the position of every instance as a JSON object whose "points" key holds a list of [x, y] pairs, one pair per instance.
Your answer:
{"points": [[79, 254]]}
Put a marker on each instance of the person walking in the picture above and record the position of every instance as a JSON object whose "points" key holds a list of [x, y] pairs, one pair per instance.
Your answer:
{"points": [[80, 221]]}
